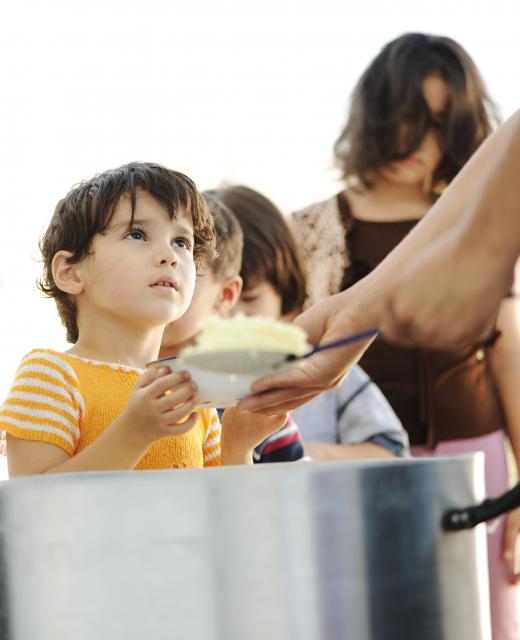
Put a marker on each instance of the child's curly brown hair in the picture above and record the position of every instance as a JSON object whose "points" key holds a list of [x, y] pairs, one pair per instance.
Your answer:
{"points": [[89, 207]]}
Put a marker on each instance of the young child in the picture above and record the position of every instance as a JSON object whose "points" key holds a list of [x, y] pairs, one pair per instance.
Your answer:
{"points": [[354, 421], [217, 290], [119, 260]]}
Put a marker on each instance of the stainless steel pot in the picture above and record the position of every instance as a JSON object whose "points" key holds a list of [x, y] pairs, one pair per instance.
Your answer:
{"points": [[306, 551]]}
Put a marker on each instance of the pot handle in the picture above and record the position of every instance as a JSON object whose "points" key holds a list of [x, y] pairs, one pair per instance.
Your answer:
{"points": [[469, 517]]}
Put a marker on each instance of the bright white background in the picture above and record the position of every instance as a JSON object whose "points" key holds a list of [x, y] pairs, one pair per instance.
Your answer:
{"points": [[252, 91]]}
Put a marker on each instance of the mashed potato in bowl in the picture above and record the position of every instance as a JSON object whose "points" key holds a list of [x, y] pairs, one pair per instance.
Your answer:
{"points": [[249, 333], [231, 354]]}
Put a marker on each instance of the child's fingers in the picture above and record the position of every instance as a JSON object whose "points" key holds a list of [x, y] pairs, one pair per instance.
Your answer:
{"points": [[183, 427], [150, 375], [180, 415], [178, 395], [166, 382]]}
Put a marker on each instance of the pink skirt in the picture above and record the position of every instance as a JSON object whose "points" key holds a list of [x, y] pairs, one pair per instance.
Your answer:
{"points": [[503, 596]]}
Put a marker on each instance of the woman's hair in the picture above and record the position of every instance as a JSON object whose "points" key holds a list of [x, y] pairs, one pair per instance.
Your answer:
{"points": [[270, 251], [89, 207], [389, 95]]}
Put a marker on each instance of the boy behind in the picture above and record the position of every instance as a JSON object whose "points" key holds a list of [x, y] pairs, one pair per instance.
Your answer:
{"points": [[353, 421], [218, 283], [217, 291], [119, 259]]}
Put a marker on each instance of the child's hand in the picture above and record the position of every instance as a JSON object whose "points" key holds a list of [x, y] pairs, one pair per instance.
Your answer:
{"points": [[162, 404], [242, 431]]}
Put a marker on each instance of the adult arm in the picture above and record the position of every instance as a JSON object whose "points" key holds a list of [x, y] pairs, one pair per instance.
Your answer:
{"points": [[448, 293], [441, 286]]}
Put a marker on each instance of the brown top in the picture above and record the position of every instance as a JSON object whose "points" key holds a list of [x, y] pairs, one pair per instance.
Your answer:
{"points": [[438, 395]]}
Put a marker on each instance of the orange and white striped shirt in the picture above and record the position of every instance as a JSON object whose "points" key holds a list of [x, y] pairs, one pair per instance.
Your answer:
{"points": [[69, 401]]}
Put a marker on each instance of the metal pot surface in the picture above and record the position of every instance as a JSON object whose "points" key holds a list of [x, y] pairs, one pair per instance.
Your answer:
{"points": [[300, 550]]}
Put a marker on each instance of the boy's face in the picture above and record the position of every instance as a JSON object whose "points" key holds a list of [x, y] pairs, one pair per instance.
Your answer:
{"points": [[143, 275], [213, 295], [204, 302], [260, 299]]}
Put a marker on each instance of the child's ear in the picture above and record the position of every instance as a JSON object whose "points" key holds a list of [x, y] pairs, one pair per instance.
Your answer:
{"points": [[229, 295], [66, 274]]}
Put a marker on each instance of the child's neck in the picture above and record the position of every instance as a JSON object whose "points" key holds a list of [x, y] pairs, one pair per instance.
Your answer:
{"points": [[127, 347]]}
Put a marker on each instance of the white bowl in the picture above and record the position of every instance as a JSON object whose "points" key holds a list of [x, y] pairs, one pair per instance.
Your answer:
{"points": [[214, 389]]}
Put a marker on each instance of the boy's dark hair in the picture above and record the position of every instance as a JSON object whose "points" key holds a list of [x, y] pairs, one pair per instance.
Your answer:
{"points": [[270, 251], [89, 207], [229, 238], [389, 94]]}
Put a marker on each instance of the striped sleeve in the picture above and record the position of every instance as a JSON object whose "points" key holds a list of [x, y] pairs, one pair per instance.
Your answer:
{"points": [[211, 448], [44, 402], [284, 445]]}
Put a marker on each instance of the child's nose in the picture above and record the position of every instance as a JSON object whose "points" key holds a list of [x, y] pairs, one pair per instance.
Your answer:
{"points": [[167, 255]]}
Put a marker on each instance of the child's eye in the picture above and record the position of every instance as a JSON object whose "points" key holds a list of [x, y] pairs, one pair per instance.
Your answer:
{"points": [[135, 234], [184, 243], [248, 298]]}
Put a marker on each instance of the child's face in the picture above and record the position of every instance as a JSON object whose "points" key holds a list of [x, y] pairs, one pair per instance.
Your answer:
{"points": [[141, 276], [260, 299], [416, 168]]}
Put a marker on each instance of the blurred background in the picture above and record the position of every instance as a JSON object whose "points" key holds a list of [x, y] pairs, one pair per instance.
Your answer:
{"points": [[252, 92]]}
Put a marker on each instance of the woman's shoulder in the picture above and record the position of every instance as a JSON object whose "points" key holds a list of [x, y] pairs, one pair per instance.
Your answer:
{"points": [[317, 209], [322, 220]]}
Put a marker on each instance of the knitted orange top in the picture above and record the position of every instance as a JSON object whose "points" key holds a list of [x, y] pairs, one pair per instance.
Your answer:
{"points": [[69, 401]]}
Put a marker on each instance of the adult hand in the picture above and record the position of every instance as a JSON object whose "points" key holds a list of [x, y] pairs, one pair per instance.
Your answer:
{"points": [[328, 320]]}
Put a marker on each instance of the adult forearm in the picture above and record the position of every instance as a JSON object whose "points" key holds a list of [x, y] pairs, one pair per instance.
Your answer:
{"points": [[494, 212], [482, 204]]}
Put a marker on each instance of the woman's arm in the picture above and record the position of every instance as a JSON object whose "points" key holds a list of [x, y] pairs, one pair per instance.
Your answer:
{"points": [[448, 291], [441, 286]]}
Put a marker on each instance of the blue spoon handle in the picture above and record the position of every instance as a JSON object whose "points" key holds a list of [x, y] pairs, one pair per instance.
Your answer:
{"points": [[354, 337]]}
